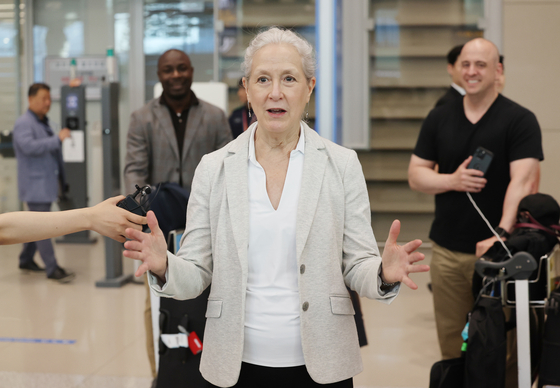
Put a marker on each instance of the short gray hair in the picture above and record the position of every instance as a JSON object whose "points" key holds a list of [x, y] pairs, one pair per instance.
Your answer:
{"points": [[281, 36]]}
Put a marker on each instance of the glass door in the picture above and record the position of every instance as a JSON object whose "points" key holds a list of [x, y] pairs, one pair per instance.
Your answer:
{"points": [[11, 12], [183, 25]]}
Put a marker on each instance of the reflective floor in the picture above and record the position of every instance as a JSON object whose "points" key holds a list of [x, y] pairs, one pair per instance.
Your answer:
{"points": [[77, 335]]}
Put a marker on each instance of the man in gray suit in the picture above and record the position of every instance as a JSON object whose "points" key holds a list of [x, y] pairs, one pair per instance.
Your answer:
{"points": [[168, 136], [166, 139], [40, 172]]}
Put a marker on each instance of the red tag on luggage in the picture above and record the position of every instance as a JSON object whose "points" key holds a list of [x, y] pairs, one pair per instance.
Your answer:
{"points": [[195, 344]]}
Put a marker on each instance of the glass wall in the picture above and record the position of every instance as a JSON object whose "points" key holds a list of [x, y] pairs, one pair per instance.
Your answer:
{"points": [[193, 26], [408, 49], [82, 28], [10, 15], [9, 63], [187, 26], [243, 19]]}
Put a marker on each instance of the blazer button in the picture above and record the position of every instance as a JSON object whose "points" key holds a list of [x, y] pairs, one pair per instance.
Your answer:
{"points": [[302, 269], [305, 306]]}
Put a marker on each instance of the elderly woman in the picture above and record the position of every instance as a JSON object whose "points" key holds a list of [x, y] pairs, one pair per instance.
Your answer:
{"points": [[279, 223]]}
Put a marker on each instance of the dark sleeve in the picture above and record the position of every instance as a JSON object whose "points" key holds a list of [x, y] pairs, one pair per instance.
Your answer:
{"points": [[426, 143], [236, 122], [525, 139], [236, 129], [450, 96], [231, 124], [444, 99], [224, 131], [138, 153]]}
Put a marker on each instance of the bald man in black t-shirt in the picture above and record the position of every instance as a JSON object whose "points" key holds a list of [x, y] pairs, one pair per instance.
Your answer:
{"points": [[448, 138]]}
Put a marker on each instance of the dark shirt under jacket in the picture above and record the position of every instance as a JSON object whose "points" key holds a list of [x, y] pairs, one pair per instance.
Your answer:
{"points": [[180, 119], [451, 95]]}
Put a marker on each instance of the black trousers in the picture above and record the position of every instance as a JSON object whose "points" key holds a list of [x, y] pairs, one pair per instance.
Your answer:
{"points": [[256, 376]]}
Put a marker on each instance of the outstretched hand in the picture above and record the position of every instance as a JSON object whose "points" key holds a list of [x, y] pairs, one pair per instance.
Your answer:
{"points": [[150, 248], [112, 221], [398, 260]]}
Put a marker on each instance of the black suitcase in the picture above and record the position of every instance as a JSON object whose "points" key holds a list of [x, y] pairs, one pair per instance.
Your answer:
{"points": [[180, 367], [448, 373], [550, 361], [485, 361]]}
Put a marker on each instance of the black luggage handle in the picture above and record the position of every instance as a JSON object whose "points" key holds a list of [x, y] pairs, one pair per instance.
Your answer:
{"points": [[519, 267]]}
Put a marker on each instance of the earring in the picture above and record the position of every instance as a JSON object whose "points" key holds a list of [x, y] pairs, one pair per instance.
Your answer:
{"points": [[249, 108], [307, 112]]}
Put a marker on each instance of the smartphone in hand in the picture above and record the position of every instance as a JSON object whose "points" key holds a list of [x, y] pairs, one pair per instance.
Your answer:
{"points": [[481, 159]]}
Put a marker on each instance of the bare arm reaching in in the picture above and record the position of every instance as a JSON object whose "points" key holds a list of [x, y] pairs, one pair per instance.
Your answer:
{"points": [[105, 218]]}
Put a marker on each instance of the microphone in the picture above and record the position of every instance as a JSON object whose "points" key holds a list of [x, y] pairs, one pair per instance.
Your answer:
{"points": [[132, 205]]}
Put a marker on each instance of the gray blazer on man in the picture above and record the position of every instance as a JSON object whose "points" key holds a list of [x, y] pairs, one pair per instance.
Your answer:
{"points": [[152, 153], [335, 248], [39, 157]]}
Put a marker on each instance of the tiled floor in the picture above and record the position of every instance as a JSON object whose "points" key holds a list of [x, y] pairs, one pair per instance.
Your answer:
{"points": [[101, 330]]}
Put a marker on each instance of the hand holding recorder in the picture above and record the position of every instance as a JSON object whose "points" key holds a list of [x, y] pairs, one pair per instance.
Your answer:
{"points": [[469, 176]]}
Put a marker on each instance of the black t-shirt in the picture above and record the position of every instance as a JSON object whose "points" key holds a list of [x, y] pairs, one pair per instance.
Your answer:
{"points": [[447, 137], [451, 95], [179, 120]]}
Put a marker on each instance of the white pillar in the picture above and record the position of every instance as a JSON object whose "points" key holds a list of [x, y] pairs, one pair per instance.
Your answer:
{"points": [[325, 111]]}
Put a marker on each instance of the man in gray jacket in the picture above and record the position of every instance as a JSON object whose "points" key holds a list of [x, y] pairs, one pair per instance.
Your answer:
{"points": [[166, 140], [40, 172], [169, 135]]}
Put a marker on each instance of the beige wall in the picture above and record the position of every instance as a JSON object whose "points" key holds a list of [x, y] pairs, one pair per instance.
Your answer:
{"points": [[532, 57]]}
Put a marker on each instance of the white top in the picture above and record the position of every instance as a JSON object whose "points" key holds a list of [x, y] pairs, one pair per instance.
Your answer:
{"points": [[458, 88], [272, 309]]}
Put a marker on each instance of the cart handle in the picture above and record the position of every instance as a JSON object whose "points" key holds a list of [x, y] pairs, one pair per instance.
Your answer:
{"points": [[519, 267]]}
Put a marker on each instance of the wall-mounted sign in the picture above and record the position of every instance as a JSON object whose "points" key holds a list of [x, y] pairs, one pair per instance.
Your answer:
{"points": [[73, 148], [92, 72]]}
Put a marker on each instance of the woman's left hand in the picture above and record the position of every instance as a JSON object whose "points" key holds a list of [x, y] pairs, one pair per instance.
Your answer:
{"points": [[398, 260], [150, 248]]}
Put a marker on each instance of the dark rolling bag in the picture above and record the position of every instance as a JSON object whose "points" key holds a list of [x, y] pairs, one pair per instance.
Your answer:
{"points": [[550, 360], [448, 373], [179, 367], [485, 361]]}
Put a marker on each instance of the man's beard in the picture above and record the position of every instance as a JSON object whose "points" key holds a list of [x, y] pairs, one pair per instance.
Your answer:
{"points": [[178, 97]]}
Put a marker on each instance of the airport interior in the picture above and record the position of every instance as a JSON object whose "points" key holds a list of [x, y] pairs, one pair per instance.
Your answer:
{"points": [[381, 68]]}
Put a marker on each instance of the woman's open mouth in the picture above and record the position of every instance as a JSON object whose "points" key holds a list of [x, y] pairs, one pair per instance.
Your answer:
{"points": [[276, 112]]}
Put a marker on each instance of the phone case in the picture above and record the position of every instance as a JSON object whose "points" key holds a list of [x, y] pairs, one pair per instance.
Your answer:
{"points": [[481, 159]]}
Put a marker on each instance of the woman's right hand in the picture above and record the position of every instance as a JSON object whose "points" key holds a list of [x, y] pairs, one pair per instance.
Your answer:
{"points": [[150, 248]]}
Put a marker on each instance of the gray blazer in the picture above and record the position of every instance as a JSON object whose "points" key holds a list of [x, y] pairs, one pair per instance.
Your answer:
{"points": [[152, 153], [39, 158], [335, 247]]}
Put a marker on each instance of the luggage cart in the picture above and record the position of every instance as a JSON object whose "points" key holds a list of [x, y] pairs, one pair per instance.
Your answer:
{"points": [[523, 288]]}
